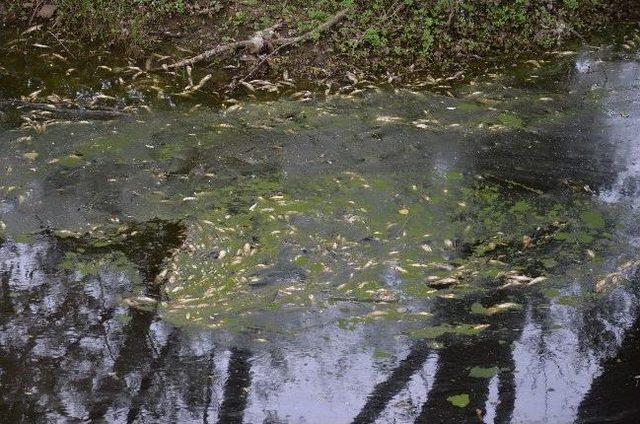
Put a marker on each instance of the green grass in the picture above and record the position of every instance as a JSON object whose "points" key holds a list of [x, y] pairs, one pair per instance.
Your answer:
{"points": [[110, 21], [377, 31]]}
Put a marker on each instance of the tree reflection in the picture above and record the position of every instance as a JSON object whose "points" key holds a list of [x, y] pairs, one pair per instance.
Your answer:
{"points": [[384, 392], [236, 388], [613, 396]]}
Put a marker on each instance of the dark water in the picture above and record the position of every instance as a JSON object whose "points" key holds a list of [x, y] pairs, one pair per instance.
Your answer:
{"points": [[287, 262]]}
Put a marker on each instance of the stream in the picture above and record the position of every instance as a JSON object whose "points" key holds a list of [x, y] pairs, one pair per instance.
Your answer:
{"points": [[378, 256]]}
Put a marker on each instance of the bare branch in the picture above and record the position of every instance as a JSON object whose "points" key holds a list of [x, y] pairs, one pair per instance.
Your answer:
{"points": [[259, 40]]}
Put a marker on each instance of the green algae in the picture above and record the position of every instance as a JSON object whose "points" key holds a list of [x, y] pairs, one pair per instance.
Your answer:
{"points": [[260, 241], [381, 355], [481, 372], [570, 300], [443, 329], [468, 107], [282, 245], [92, 265], [70, 161], [593, 219], [461, 400], [510, 120]]}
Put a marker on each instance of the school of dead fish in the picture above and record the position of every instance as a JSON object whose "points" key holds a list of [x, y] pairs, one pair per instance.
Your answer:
{"points": [[143, 78]]}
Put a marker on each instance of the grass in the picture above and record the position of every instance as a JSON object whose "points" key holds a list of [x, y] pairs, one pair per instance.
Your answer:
{"points": [[378, 34]]}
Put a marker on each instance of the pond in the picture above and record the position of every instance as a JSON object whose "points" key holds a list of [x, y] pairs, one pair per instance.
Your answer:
{"points": [[462, 254]]}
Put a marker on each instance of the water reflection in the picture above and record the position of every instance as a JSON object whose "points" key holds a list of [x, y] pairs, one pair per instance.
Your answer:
{"points": [[71, 350], [556, 361], [613, 395]]}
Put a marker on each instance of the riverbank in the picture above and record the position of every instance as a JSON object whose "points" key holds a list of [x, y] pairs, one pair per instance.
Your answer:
{"points": [[326, 42]]}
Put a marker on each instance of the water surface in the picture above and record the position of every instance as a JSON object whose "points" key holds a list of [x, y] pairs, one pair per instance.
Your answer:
{"points": [[385, 256]]}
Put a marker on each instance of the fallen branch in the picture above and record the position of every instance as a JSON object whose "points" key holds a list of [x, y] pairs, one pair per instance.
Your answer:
{"points": [[210, 53], [234, 84], [259, 40]]}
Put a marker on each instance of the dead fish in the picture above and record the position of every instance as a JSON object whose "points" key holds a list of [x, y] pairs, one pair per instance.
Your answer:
{"points": [[351, 77], [31, 29], [443, 283], [140, 301], [622, 274], [502, 307], [248, 86]]}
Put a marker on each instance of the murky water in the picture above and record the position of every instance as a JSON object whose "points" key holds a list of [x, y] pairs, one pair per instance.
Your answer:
{"points": [[386, 256]]}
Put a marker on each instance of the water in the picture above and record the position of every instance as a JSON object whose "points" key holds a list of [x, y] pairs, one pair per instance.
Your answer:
{"points": [[387, 256]]}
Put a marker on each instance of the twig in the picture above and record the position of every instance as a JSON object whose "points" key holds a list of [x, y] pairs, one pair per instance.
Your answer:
{"points": [[61, 43], [211, 53], [285, 42], [452, 13], [515, 183], [259, 39], [256, 42], [233, 85], [36, 7]]}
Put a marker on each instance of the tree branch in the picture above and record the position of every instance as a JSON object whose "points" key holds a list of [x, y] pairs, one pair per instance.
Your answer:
{"points": [[259, 40]]}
